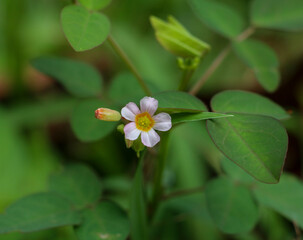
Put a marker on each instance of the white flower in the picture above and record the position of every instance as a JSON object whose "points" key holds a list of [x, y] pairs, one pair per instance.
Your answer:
{"points": [[144, 121]]}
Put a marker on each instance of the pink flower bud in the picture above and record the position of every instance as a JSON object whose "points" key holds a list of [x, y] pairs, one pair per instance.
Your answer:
{"points": [[107, 114]]}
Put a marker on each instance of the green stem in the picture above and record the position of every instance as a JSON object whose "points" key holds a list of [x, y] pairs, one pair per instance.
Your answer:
{"points": [[13, 17], [187, 74], [217, 62], [157, 187], [184, 192], [129, 64]]}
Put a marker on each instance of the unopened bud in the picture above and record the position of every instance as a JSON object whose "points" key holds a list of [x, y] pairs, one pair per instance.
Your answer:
{"points": [[107, 114], [175, 38], [120, 128]]}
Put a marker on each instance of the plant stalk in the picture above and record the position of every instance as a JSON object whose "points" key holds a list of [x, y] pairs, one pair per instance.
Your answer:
{"points": [[157, 187], [184, 192], [187, 74], [217, 62], [129, 64]]}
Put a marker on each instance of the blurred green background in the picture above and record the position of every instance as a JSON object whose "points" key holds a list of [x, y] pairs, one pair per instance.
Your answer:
{"points": [[36, 137]]}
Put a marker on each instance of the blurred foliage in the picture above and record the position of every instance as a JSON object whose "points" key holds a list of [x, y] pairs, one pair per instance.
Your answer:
{"points": [[36, 138]]}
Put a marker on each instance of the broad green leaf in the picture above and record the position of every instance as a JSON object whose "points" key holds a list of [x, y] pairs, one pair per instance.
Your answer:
{"points": [[77, 183], [95, 4], [286, 197], [37, 212], [104, 221], [262, 60], [219, 17], [246, 102], [80, 79], [137, 209], [189, 117], [84, 29], [84, 123], [235, 172], [231, 206], [275, 226], [125, 88], [278, 14], [35, 112], [256, 143], [178, 102], [268, 78]]}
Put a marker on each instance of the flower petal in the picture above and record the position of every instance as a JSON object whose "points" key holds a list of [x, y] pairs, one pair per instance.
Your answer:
{"points": [[131, 132], [150, 138], [162, 122], [149, 104], [130, 111]]}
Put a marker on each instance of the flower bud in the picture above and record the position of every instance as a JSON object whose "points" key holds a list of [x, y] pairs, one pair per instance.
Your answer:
{"points": [[120, 128], [107, 114], [175, 38]]}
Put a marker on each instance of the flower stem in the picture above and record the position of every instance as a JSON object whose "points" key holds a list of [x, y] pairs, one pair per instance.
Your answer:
{"points": [[157, 187], [216, 63], [129, 64], [187, 74], [183, 193]]}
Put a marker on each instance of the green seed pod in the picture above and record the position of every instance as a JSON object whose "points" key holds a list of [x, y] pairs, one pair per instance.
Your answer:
{"points": [[176, 39]]}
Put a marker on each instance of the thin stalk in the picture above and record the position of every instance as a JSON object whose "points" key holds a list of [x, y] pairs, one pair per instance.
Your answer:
{"points": [[187, 74], [157, 187], [217, 62], [297, 230], [245, 34], [129, 64], [183, 193]]}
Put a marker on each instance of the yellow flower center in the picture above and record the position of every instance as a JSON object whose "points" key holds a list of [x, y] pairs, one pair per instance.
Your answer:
{"points": [[144, 121]]}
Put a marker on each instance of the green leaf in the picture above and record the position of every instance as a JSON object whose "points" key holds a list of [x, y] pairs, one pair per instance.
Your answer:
{"points": [[105, 221], [137, 212], [95, 4], [256, 143], [77, 183], [125, 88], [219, 17], [246, 102], [86, 126], [37, 212], [235, 172], [278, 14], [189, 117], [231, 206], [178, 102], [80, 79], [33, 113], [286, 197], [262, 60], [83, 29]]}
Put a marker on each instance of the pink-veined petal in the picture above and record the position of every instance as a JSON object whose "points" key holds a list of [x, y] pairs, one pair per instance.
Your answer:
{"points": [[149, 104], [131, 132], [150, 138], [130, 111], [162, 122]]}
